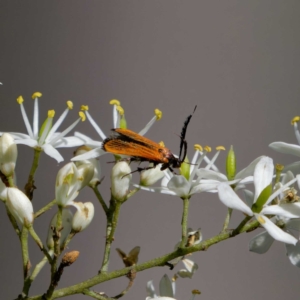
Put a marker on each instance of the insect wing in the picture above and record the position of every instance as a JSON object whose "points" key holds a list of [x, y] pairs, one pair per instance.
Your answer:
{"points": [[130, 148]]}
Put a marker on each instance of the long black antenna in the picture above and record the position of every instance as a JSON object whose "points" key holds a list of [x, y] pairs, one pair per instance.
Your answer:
{"points": [[183, 131]]}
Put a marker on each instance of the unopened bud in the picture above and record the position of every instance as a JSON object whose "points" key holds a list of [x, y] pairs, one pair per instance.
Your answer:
{"points": [[19, 206], [149, 177], [8, 154], [83, 216], [67, 184], [120, 180], [86, 173]]}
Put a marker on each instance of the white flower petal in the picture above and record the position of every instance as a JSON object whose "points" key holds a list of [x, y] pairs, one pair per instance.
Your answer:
{"points": [[150, 289], [249, 197], [90, 154], [231, 199], [148, 126], [249, 170], [290, 210], [52, 152], [66, 142], [28, 142], [294, 167], [293, 253], [36, 118], [286, 148], [288, 176], [263, 174], [210, 174], [94, 124], [261, 243], [165, 287], [277, 233], [190, 265], [293, 224], [179, 185], [87, 140]]}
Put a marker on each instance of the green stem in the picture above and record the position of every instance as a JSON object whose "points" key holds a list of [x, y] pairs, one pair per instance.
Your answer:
{"points": [[112, 222], [29, 187], [44, 209], [99, 197], [95, 295], [39, 243], [56, 239], [184, 221], [25, 253], [35, 272], [160, 261], [227, 219]]}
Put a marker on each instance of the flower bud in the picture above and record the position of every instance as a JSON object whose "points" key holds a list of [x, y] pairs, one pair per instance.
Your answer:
{"points": [[19, 205], [95, 163], [8, 154], [83, 216], [3, 191], [120, 180], [67, 184], [67, 217], [231, 164], [149, 177], [86, 173]]}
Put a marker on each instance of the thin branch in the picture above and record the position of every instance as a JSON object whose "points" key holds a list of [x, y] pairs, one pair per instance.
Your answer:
{"points": [[100, 198], [184, 221], [44, 209], [160, 261], [227, 220], [29, 187]]}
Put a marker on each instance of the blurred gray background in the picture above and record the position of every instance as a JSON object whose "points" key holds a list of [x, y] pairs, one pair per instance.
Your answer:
{"points": [[237, 60]]}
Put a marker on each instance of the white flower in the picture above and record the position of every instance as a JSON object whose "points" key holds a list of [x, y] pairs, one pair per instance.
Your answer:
{"points": [[292, 149], [19, 205], [67, 185], [179, 185], [213, 178], [67, 217], [118, 117], [8, 154], [263, 174], [262, 242], [190, 268], [83, 216], [120, 180], [150, 176], [47, 138], [166, 289]]}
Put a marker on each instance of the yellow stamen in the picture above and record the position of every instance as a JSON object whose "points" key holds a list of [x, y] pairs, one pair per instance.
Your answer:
{"points": [[162, 144], [261, 220], [207, 149], [198, 147], [196, 292], [219, 148], [70, 104], [51, 113], [82, 116], [295, 120], [279, 167], [114, 102], [20, 100], [158, 114], [36, 95], [174, 278], [84, 107], [120, 110]]}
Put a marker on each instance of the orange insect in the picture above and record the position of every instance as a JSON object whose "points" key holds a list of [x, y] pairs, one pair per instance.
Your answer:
{"points": [[128, 142]]}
